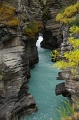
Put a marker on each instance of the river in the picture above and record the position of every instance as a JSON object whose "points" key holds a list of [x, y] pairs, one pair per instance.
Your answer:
{"points": [[42, 86]]}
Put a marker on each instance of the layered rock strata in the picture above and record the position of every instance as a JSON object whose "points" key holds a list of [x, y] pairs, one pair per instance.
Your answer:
{"points": [[52, 32], [71, 83], [15, 62], [61, 89], [52, 36], [18, 53]]}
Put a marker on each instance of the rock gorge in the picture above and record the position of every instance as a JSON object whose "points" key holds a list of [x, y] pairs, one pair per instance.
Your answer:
{"points": [[20, 24]]}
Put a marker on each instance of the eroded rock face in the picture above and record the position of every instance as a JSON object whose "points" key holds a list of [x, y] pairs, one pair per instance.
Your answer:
{"points": [[71, 78], [49, 41], [18, 53], [61, 89], [52, 32], [14, 73]]}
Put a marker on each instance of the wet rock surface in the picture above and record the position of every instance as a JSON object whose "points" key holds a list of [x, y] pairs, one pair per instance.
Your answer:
{"points": [[61, 89]]}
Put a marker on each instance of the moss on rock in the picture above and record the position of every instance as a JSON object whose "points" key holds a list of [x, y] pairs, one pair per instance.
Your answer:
{"points": [[33, 28], [7, 15]]}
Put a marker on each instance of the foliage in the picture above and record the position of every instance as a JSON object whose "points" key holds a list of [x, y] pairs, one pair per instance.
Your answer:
{"points": [[33, 28], [70, 58], [13, 22], [70, 16], [68, 13], [15, 117], [45, 12], [74, 42], [54, 55], [62, 19], [44, 1], [66, 110], [61, 64], [7, 15], [75, 21], [74, 29]]}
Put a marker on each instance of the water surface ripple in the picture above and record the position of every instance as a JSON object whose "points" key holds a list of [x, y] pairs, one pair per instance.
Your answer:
{"points": [[42, 86]]}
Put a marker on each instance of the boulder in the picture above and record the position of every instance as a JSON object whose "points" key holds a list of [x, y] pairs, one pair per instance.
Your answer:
{"points": [[61, 89]]}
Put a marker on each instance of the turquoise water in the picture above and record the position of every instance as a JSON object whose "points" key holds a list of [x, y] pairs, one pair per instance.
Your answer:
{"points": [[42, 86]]}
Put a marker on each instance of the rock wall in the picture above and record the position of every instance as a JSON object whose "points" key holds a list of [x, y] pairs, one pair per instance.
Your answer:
{"points": [[71, 83], [52, 36], [14, 73], [55, 35], [52, 33], [18, 53]]}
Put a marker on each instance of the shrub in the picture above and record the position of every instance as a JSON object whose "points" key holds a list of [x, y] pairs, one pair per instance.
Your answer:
{"points": [[7, 15], [66, 110], [67, 14], [33, 28]]}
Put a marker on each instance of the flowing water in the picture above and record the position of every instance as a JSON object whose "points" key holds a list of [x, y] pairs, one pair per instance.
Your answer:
{"points": [[42, 86]]}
